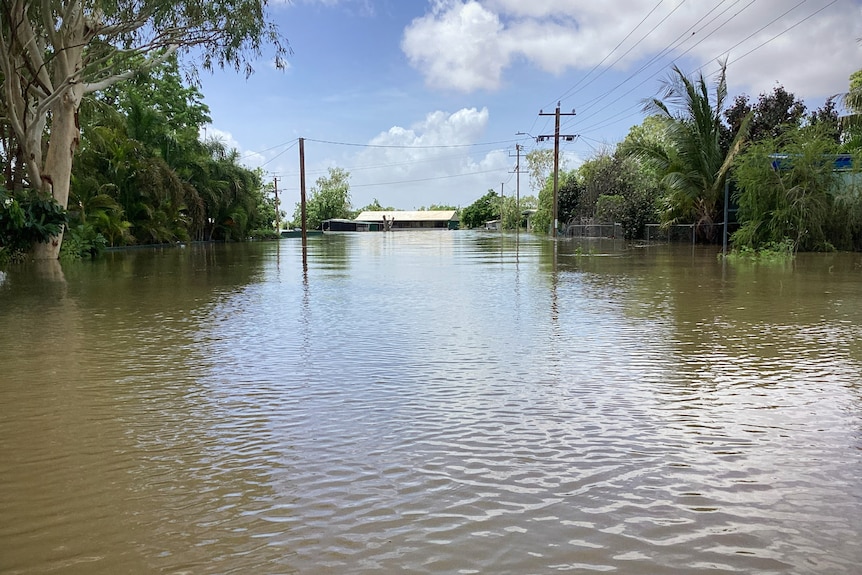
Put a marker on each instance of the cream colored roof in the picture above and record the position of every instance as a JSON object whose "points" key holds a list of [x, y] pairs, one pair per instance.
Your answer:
{"points": [[409, 216]]}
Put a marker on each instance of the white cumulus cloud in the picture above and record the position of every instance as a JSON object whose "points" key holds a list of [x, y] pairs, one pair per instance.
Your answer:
{"points": [[458, 47], [433, 161], [809, 47]]}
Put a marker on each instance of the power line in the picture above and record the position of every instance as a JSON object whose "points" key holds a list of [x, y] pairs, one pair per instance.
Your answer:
{"points": [[402, 147], [424, 179], [675, 44], [280, 153], [784, 32], [294, 142], [653, 29], [770, 23], [571, 91]]}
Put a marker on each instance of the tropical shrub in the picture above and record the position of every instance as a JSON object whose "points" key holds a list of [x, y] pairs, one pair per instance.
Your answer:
{"points": [[82, 242], [788, 190], [27, 218]]}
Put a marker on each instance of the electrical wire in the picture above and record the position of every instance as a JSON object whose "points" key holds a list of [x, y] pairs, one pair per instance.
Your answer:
{"points": [[679, 41], [572, 90], [401, 147], [654, 28], [770, 23]]}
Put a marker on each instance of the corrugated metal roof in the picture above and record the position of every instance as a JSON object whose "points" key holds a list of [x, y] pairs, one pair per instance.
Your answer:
{"points": [[409, 216]]}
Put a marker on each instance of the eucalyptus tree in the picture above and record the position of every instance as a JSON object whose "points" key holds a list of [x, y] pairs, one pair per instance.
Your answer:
{"points": [[691, 160], [539, 165], [54, 52]]}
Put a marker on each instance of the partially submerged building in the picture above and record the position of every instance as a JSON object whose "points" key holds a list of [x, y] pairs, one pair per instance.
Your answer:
{"points": [[357, 225], [412, 220]]}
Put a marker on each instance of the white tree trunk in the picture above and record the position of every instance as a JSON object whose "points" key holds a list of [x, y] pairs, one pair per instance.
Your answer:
{"points": [[56, 172]]}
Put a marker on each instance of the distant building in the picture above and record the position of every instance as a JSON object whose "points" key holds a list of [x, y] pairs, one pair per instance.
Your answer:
{"points": [[341, 225], [413, 220], [527, 219]]}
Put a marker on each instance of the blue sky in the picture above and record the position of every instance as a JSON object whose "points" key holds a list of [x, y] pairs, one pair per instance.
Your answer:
{"points": [[421, 100]]}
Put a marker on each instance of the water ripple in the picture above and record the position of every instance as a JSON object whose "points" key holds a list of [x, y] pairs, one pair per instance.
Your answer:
{"points": [[435, 404]]}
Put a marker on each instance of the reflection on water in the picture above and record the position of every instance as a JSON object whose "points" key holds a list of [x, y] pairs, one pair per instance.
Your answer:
{"points": [[448, 402]]}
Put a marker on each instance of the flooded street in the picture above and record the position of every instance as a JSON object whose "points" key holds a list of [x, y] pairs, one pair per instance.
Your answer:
{"points": [[431, 402]]}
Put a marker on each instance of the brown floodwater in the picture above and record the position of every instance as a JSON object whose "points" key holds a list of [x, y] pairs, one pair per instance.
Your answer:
{"points": [[431, 402]]}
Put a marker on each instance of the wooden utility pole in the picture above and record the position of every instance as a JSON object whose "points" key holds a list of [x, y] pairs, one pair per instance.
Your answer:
{"points": [[518, 182], [302, 209], [277, 216], [556, 136]]}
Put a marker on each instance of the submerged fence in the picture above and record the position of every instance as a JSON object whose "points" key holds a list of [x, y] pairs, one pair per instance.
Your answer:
{"points": [[681, 233], [677, 233], [594, 230]]}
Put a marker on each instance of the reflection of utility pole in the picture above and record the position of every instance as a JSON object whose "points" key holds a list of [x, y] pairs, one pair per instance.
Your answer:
{"points": [[302, 202], [277, 217], [556, 137], [518, 182], [502, 205]]}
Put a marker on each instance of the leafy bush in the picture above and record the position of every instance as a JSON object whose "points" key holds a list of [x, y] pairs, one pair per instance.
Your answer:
{"points": [[771, 252], [610, 208], [26, 218], [789, 196], [82, 242], [264, 234]]}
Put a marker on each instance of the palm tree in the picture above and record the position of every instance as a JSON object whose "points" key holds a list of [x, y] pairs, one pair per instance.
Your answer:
{"points": [[693, 163], [852, 121]]}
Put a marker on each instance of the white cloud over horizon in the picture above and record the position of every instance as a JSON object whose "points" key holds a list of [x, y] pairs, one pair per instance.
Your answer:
{"points": [[438, 151]]}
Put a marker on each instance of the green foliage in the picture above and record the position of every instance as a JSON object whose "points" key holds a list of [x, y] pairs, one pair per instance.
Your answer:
{"points": [[27, 218], [482, 210], [375, 206], [511, 214], [770, 253], [264, 234], [571, 196], [529, 202], [826, 119], [438, 208], [329, 198], [142, 175], [791, 198], [544, 211], [773, 115], [610, 209], [82, 242], [690, 157], [57, 52], [851, 123], [540, 165], [622, 180]]}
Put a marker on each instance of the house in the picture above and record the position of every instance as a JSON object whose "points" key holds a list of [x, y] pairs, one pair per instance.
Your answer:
{"points": [[413, 220]]}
